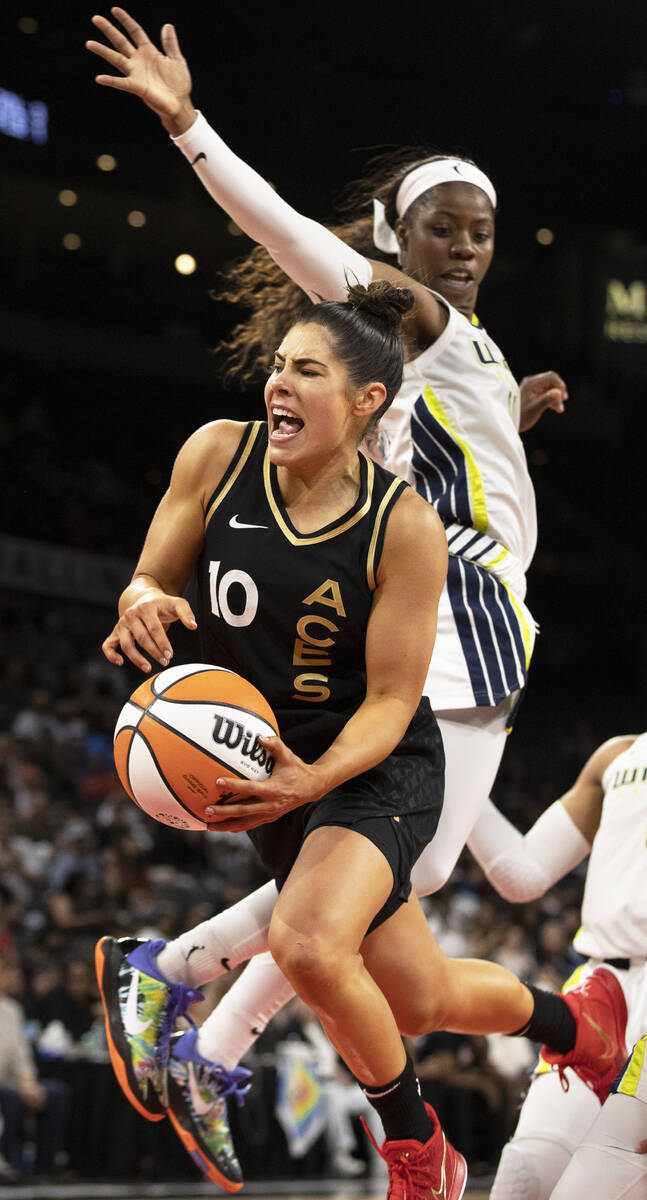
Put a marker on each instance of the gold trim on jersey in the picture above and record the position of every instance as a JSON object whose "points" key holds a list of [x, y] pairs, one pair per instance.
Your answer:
{"points": [[477, 491], [523, 624], [299, 539], [220, 495], [630, 1080], [370, 561]]}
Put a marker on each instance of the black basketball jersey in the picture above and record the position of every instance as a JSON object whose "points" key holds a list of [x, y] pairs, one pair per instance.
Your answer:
{"points": [[288, 610]]}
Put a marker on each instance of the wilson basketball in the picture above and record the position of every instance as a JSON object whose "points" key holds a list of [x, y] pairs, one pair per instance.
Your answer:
{"points": [[183, 729]]}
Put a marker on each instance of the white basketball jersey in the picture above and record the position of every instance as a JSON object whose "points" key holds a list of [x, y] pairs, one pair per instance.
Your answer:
{"points": [[614, 908], [452, 432]]}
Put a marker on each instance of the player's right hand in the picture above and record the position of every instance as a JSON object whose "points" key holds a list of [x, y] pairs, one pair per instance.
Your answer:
{"points": [[143, 625], [160, 78]]}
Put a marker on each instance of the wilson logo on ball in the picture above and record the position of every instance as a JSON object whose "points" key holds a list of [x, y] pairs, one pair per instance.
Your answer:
{"points": [[232, 734], [182, 730]]}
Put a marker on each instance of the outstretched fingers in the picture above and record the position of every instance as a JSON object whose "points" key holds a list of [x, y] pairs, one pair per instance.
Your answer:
{"points": [[170, 43], [114, 36], [117, 60], [134, 31]]}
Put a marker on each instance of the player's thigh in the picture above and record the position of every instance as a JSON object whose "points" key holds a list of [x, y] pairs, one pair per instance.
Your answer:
{"points": [[474, 741], [606, 1164], [408, 966], [339, 881]]}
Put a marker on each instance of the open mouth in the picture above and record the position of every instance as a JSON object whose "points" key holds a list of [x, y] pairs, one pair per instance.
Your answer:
{"points": [[458, 278], [285, 424]]}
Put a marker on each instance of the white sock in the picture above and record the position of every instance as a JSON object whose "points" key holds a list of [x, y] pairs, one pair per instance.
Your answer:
{"points": [[244, 1011], [222, 942]]}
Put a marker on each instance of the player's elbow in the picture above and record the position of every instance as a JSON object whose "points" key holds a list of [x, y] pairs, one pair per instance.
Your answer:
{"points": [[516, 883]]}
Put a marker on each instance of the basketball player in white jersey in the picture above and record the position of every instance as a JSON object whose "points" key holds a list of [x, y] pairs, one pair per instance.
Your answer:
{"points": [[611, 1162], [607, 809]]}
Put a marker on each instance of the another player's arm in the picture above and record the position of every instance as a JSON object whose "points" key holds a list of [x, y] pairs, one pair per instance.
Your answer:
{"points": [[537, 393], [154, 597], [318, 261], [522, 868], [399, 642]]}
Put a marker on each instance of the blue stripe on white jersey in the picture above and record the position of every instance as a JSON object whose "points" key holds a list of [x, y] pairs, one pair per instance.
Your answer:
{"points": [[439, 467], [488, 629]]}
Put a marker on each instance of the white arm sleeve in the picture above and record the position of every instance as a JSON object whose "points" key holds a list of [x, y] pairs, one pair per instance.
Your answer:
{"points": [[523, 868], [309, 253]]}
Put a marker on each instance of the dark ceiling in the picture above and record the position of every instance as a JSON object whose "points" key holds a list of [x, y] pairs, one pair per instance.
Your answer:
{"points": [[551, 98]]}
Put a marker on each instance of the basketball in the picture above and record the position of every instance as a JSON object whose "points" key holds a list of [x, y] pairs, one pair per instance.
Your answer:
{"points": [[183, 729]]}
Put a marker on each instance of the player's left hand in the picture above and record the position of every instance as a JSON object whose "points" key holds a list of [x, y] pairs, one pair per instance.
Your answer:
{"points": [[292, 783], [537, 393]]}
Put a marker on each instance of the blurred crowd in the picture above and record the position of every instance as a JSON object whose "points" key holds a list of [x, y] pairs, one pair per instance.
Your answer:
{"points": [[79, 859]]}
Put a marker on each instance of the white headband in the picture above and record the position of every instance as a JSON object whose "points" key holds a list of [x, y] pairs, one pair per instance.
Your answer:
{"points": [[430, 174]]}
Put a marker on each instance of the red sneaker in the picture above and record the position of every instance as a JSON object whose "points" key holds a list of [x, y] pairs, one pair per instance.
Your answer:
{"points": [[600, 1012], [431, 1170]]}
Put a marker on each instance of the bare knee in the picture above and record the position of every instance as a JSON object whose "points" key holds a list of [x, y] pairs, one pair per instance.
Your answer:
{"points": [[419, 1015], [311, 963]]}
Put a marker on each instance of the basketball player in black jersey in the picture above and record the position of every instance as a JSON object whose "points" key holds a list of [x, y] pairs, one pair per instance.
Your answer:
{"points": [[319, 575]]}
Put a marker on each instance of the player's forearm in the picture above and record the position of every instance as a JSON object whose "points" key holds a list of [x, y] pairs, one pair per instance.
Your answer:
{"points": [[317, 260], [371, 734], [524, 868]]}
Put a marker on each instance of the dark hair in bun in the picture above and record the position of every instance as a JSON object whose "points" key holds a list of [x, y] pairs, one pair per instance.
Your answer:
{"points": [[365, 332]]}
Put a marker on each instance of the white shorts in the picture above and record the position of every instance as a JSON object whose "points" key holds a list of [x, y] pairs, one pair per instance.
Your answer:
{"points": [[484, 640]]}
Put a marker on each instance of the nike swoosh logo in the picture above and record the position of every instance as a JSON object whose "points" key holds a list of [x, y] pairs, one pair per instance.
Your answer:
{"points": [[440, 1193], [192, 951], [236, 524], [456, 167], [225, 963], [607, 1042], [198, 157], [200, 1106], [132, 1024]]}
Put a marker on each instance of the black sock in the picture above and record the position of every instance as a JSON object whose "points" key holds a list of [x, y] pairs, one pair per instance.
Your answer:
{"points": [[400, 1106], [551, 1022]]}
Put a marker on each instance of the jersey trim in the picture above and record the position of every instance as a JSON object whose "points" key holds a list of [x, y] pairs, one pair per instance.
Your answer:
{"points": [[628, 1080], [494, 635], [456, 487], [397, 485], [234, 469], [343, 523]]}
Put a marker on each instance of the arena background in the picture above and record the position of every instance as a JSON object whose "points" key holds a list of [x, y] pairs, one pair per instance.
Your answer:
{"points": [[106, 368]]}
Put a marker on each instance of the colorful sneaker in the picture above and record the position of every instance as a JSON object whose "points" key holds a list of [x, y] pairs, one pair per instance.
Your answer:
{"points": [[141, 1008], [197, 1107], [432, 1170], [600, 1011]]}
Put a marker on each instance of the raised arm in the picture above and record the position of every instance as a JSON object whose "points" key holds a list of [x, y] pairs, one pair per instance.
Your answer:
{"points": [[523, 867], [318, 261]]}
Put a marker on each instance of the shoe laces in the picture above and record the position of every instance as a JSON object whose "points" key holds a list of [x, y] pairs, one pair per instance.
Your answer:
{"points": [[180, 999], [408, 1174], [227, 1083]]}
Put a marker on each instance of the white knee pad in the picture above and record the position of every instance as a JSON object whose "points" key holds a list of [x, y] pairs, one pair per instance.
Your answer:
{"points": [[529, 1170]]}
